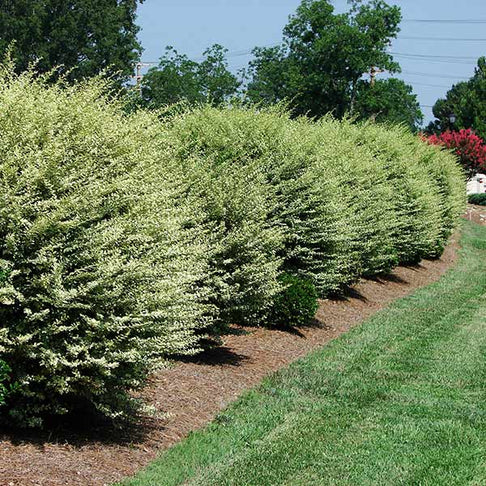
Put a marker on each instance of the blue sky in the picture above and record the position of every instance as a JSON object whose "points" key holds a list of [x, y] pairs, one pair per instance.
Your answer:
{"points": [[193, 25]]}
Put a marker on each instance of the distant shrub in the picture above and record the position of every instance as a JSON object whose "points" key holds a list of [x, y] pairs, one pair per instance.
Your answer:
{"points": [[296, 304], [450, 183], [103, 261], [479, 199]]}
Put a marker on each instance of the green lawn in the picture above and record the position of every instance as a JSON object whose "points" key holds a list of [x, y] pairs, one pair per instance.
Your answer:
{"points": [[399, 400]]}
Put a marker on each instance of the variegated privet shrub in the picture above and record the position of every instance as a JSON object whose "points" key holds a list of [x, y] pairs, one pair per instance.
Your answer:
{"points": [[237, 202], [449, 179], [428, 187], [245, 262], [414, 199], [303, 204], [102, 259], [366, 196]]}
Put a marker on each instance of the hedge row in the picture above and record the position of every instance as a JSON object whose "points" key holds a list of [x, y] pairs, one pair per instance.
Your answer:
{"points": [[125, 239], [349, 200]]}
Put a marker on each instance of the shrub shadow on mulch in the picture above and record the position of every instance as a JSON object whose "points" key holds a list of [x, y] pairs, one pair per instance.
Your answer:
{"points": [[391, 277], [81, 429], [348, 293], [215, 356]]}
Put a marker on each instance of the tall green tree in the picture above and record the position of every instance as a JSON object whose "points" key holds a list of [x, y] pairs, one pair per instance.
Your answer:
{"points": [[83, 37], [467, 101], [178, 78], [390, 100], [324, 55]]}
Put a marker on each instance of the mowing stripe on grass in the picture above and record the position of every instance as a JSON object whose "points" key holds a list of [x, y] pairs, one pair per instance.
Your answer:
{"points": [[398, 400]]}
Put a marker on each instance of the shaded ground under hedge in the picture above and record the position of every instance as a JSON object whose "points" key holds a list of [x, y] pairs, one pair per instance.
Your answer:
{"points": [[194, 391]]}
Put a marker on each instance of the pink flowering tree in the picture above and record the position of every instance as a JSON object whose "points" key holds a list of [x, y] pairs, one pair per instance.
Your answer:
{"points": [[470, 149]]}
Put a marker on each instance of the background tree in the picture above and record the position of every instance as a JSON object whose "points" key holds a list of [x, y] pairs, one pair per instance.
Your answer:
{"points": [[174, 79], [82, 36], [177, 78], [323, 56], [388, 100], [467, 101]]}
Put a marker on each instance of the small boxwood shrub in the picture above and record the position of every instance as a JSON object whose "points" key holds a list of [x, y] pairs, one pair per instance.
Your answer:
{"points": [[296, 305], [479, 199]]}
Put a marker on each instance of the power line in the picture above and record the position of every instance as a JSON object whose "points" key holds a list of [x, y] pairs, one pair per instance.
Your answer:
{"points": [[230, 54], [452, 39], [465, 63], [434, 56], [415, 73], [472, 58], [442, 61], [241, 53], [244, 52], [248, 51], [428, 84], [468, 61], [447, 21]]}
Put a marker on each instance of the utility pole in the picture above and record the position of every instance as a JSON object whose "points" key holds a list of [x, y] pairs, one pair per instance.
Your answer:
{"points": [[138, 75], [373, 72], [138, 72]]}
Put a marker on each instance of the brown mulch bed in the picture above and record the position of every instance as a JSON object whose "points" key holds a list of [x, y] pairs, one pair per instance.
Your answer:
{"points": [[195, 390], [476, 213]]}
